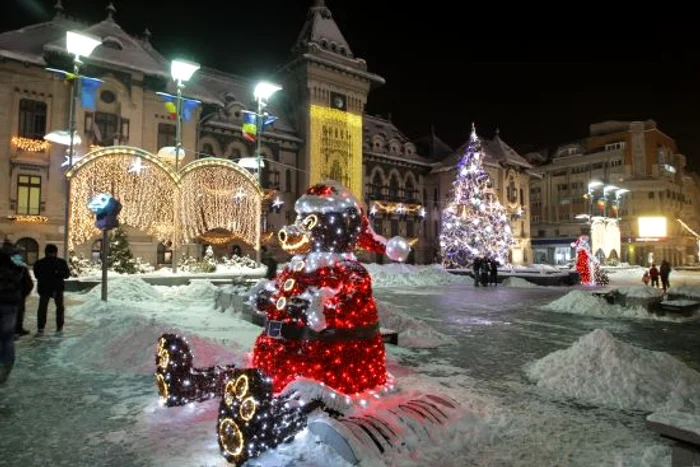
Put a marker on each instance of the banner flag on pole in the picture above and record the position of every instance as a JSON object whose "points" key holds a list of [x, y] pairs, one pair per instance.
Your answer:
{"points": [[88, 92]]}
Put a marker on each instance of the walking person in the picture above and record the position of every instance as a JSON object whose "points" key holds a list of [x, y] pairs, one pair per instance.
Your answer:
{"points": [[268, 260], [654, 274], [50, 273], [11, 287], [664, 272]]}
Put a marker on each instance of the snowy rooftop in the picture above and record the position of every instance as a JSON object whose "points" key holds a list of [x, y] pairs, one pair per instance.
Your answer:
{"points": [[496, 151], [373, 125]]}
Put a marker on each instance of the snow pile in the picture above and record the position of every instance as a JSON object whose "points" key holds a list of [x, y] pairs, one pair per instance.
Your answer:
{"points": [[127, 289], [408, 275], [128, 344], [640, 291], [413, 332], [690, 291], [535, 268], [518, 282], [598, 369], [579, 302], [196, 291]]}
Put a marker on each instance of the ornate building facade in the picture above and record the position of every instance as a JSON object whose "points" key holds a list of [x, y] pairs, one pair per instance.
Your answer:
{"points": [[633, 155], [322, 132]]}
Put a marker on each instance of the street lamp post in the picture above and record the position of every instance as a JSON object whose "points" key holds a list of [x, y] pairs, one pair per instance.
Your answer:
{"points": [[181, 72], [262, 93], [79, 45]]}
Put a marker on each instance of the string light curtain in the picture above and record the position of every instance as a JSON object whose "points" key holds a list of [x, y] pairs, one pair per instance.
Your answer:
{"points": [[207, 194], [219, 194], [147, 195]]}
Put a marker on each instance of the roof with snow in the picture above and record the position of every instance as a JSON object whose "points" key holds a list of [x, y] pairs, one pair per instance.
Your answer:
{"points": [[374, 126], [433, 148], [320, 28], [496, 151]]}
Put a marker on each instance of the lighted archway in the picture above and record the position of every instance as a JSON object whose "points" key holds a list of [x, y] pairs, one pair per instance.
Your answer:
{"points": [[219, 194], [171, 206]]}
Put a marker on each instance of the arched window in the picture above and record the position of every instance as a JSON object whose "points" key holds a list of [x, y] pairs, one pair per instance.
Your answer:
{"points": [[164, 254], [409, 192], [393, 188], [207, 150], [96, 251], [376, 186], [29, 249], [235, 154]]}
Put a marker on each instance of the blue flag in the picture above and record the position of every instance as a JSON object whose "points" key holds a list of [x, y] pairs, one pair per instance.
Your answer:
{"points": [[188, 108], [88, 92]]}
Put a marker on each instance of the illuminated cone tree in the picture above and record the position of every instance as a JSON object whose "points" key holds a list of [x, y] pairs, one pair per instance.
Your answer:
{"points": [[474, 224]]}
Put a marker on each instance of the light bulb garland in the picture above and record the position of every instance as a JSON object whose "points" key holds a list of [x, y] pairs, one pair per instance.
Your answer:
{"points": [[475, 223], [178, 382], [322, 329], [30, 144]]}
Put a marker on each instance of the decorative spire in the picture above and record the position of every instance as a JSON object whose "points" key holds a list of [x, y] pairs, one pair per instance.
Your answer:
{"points": [[147, 35], [498, 131], [432, 129], [58, 8], [319, 3], [111, 10]]}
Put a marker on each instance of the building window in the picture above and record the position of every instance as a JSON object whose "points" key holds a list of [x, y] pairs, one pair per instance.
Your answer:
{"points": [[106, 128], [32, 119], [394, 227], [165, 254], [393, 188], [29, 249], [166, 135], [28, 194], [96, 251], [108, 97], [207, 150], [409, 229], [377, 225], [288, 181]]}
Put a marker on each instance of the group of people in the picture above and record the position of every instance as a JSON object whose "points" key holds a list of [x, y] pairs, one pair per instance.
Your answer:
{"points": [[15, 286], [653, 275], [485, 271]]}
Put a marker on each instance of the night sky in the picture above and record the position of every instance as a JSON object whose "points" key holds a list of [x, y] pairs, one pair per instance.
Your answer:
{"points": [[444, 64]]}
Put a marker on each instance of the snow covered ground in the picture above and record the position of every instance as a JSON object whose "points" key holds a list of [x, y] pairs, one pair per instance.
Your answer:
{"points": [[88, 398]]}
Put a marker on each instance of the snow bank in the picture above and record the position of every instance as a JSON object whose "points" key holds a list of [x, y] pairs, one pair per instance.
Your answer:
{"points": [[127, 289], [601, 370], [127, 344], [196, 291], [579, 302], [640, 291], [691, 291], [413, 332], [408, 275], [518, 282]]}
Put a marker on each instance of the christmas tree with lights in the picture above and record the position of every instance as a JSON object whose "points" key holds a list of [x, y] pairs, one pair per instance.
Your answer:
{"points": [[474, 224]]}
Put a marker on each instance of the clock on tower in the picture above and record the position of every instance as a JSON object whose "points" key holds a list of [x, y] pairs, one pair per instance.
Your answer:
{"points": [[339, 101]]}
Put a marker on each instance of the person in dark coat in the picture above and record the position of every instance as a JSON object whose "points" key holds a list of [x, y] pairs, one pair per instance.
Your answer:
{"points": [[493, 270], [50, 273], [664, 272], [477, 265], [268, 260], [10, 296], [27, 286]]}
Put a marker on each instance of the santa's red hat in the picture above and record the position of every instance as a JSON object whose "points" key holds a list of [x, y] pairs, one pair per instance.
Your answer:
{"points": [[331, 196]]}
